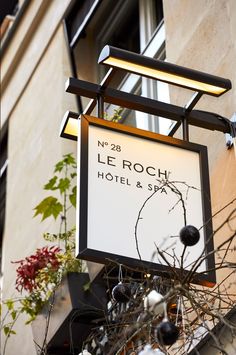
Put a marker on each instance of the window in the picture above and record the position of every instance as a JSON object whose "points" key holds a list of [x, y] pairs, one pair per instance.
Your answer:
{"points": [[8, 10], [8, 7], [135, 25]]}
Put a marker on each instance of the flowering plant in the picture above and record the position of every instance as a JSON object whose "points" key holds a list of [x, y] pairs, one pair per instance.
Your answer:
{"points": [[30, 267], [38, 275]]}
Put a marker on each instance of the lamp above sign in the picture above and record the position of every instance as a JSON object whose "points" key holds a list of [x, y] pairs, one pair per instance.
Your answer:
{"points": [[137, 191]]}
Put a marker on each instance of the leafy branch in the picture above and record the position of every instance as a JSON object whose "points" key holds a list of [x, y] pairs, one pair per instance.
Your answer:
{"points": [[39, 274]]}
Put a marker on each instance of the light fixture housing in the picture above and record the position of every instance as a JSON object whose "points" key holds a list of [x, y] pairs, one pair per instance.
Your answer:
{"points": [[69, 125], [164, 71]]}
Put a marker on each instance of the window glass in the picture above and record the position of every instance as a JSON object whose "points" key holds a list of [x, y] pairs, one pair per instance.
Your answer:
{"points": [[134, 25]]}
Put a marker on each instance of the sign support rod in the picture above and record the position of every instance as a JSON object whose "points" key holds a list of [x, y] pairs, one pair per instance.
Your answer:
{"points": [[185, 128], [197, 118], [100, 105], [187, 109]]}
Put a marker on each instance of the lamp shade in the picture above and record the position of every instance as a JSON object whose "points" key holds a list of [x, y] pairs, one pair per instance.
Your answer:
{"points": [[69, 125], [164, 71]]}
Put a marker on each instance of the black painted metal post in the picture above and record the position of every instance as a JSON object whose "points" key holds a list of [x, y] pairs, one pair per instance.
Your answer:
{"points": [[100, 106], [203, 119], [185, 128], [187, 109]]}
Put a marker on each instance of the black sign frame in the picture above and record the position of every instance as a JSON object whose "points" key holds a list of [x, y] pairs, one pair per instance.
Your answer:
{"points": [[207, 278]]}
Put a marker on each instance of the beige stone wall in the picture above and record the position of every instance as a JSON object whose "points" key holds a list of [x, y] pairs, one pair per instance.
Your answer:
{"points": [[33, 35], [201, 35], [35, 101]]}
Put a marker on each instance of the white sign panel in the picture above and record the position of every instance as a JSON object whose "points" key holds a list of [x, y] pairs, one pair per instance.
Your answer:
{"points": [[140, 192]]}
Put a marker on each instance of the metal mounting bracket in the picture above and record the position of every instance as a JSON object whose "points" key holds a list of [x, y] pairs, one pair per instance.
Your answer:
{"points": [[231, 137]]}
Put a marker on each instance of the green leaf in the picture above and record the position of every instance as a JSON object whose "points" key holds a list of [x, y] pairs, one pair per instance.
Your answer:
{"points": [[63, 185], [30, 320], [59, 166], [69, 159], [50, 206], [51, 184], [6, 330], [10, 304], [86, 286], [72, 175], [72, 197], [13, 314]]}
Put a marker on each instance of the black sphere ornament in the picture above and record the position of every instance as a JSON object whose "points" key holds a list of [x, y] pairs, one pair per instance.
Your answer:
{"points": [[167, 333], [121, 293], [189, 235]]}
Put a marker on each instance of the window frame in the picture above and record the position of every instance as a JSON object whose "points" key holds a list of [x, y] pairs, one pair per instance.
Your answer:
{"points": [[131, 83]]}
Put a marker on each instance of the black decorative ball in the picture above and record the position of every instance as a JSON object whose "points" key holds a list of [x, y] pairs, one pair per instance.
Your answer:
{"points": [[167, 333], [189, 235], [121, 293]]}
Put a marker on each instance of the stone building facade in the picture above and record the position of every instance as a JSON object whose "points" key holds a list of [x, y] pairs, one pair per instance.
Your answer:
{"points": [[48, 41]]}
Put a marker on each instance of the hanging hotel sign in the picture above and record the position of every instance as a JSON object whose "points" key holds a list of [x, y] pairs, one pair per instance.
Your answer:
{"points": [[137, 190]]}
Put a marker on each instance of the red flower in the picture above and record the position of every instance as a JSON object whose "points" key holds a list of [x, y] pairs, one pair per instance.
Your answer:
{"points": [[31, 265]]}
